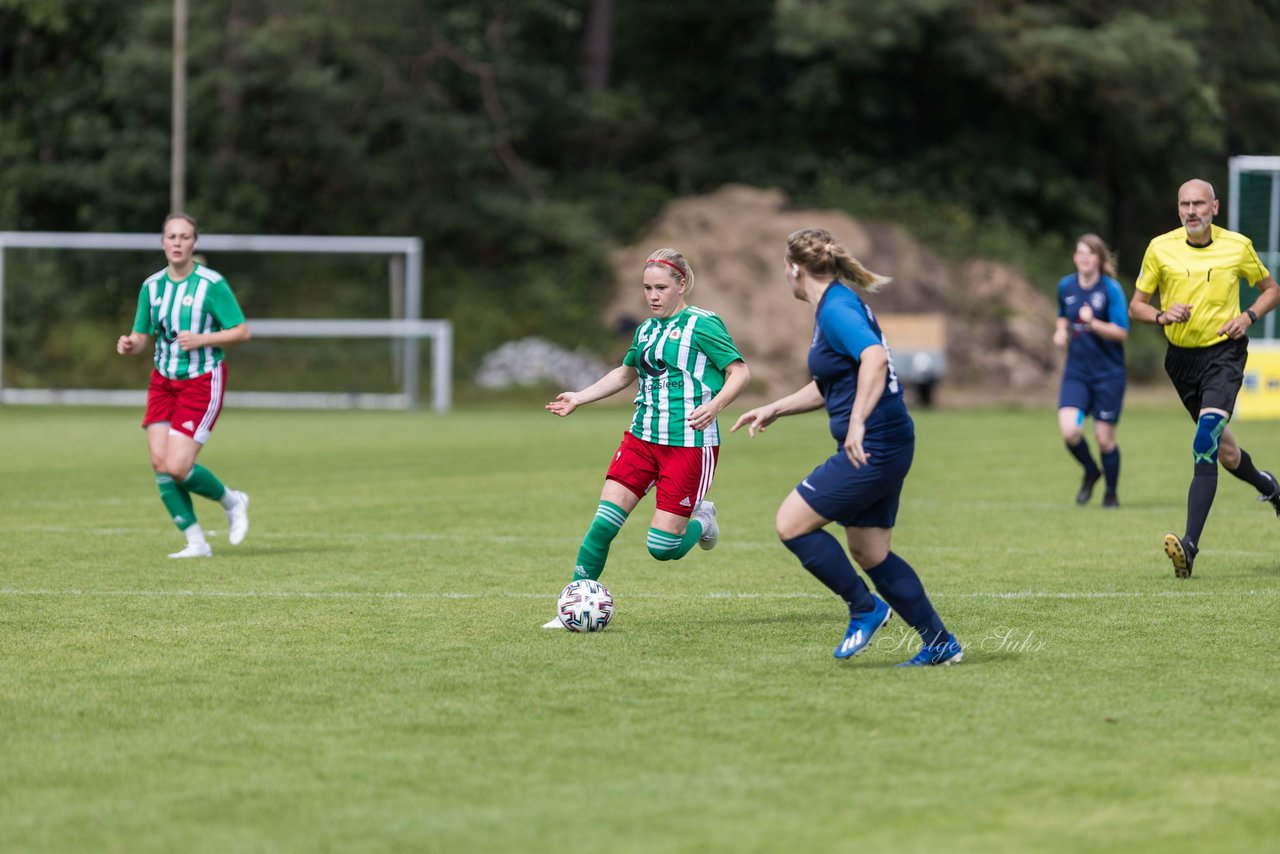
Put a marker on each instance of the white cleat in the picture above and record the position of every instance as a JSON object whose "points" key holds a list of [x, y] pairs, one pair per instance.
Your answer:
{"points": [[195, 550], [238, 520], [554, 624], [705, 513]]}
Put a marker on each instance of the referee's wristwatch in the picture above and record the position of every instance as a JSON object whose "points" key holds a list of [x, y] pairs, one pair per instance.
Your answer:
{"points": [[1253, 315]]}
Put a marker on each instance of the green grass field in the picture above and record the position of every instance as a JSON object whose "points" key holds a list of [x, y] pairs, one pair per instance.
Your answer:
{"points": [[367, 671]]}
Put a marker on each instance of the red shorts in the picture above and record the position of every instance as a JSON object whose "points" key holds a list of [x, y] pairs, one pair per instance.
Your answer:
{"points": [[683, 475], [190, 407]]}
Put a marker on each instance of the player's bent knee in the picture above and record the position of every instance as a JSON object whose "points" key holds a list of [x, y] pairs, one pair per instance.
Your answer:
{"points": [[1209, 427], [664, 545]]}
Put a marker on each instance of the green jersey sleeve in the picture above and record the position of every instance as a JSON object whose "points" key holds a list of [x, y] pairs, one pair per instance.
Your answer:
{"points": [[144, 319], [713, 339], [632, 359], [221, 303]]}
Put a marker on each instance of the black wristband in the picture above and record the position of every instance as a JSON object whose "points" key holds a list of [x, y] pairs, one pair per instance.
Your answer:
{"points": [[1158, 323], [1253, 315]]}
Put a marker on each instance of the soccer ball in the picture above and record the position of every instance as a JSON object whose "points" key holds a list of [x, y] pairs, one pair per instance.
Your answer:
{"points": [[585, 606]]}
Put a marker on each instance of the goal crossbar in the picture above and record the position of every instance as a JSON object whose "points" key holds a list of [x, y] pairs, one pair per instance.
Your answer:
{"points": [[409, 330]]}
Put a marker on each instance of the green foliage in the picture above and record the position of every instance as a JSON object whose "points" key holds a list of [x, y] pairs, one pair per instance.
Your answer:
{"points": [[1017, 124], [367, 672]]}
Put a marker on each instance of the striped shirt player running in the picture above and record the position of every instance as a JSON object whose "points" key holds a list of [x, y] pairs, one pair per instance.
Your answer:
{"points": [[191, 313], [689, 370], [859, 486], [1197, 269]]}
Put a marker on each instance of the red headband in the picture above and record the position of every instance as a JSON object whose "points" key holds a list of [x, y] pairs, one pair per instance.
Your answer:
{"points": [[668, 263]]}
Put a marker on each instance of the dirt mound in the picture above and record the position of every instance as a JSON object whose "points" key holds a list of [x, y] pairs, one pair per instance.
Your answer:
{"points": [[998, 327]]}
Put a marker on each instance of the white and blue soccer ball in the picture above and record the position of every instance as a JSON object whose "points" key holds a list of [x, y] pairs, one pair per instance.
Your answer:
{"points": [[585, 606]]}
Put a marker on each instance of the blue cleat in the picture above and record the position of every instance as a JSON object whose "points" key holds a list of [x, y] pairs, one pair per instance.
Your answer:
{"points": [[862, 627], [947, 652]]}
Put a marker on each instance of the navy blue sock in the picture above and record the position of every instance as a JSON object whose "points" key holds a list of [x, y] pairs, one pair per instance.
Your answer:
{"points": [[1111, 468], [1249, 473], [824, 557], [1080, 450], [1204, 484], [899, 585]]}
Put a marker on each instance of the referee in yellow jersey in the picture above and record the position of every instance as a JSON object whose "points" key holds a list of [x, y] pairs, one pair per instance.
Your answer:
{"points": [[1197, 270]]}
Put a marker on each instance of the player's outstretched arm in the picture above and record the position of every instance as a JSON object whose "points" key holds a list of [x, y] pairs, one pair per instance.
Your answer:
{"points": [[237, 334], [610, 384], [756, 420]]}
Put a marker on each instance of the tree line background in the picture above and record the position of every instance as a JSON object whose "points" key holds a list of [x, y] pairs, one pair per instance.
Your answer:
{"points": [[523, 139]]}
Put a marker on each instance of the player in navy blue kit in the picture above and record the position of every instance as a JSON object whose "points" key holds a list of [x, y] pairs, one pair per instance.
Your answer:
{"points": [[859, 486], [1093, 323]]}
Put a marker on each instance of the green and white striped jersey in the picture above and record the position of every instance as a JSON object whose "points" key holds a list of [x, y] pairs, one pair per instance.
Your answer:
{"points": [[681, 361], [202, 302]]}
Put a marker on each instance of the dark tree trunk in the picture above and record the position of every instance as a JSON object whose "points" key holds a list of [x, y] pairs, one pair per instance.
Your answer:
{"points": [[597, 45]]}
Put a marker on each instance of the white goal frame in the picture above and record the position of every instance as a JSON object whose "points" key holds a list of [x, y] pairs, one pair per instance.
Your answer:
{"points": [[1265, 165], [406, 268]]}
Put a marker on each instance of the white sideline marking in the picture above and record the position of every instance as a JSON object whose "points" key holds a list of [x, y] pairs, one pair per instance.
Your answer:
{"points": [[355, 594], [770, 545]]}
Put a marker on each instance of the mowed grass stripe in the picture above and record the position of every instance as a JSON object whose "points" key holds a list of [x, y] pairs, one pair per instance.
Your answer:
{"points": [[368, 672]]}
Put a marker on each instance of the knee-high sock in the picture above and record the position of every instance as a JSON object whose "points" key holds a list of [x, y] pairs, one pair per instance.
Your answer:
{"points": [[1249, 473], [1111, 468], [177, 501], [667, 546], [1204, 484], [1080, 450], [899, 585], [822, 555], [204, 483], [594, 550]]}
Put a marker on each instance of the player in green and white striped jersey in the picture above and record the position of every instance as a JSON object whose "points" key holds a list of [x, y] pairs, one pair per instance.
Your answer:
{"points": [[191, 312], [689, 370]]}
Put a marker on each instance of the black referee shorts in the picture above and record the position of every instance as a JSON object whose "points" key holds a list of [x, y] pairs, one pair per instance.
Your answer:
{"points": [[1208, 377]]}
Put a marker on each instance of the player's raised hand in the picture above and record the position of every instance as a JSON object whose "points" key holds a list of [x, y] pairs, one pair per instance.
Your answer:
{"points": [[187, 340], [1179, 312], [1236, 327], [702, 417], [565, 402], [756, 420]]}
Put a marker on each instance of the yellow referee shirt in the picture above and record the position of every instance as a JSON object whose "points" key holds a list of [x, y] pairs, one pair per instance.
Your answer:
{"points": [[1207, 278]]}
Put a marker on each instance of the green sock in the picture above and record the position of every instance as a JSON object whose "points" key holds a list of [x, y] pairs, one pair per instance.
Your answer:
{"points": [[692, 534], [203, 482], [177, 501], [667, 546], [594, 550]]}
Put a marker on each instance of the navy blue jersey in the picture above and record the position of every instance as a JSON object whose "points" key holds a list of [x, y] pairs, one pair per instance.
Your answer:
{"points": [[845, 326], [1089, 354]]}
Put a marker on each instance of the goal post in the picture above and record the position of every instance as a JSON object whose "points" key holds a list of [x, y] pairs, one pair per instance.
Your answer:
{"points": [[1253, 209], [406, 274]]}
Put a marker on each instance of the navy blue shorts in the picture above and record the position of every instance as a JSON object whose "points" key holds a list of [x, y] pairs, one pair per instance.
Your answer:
{"points": [[1101, 399], [865, 497]]}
